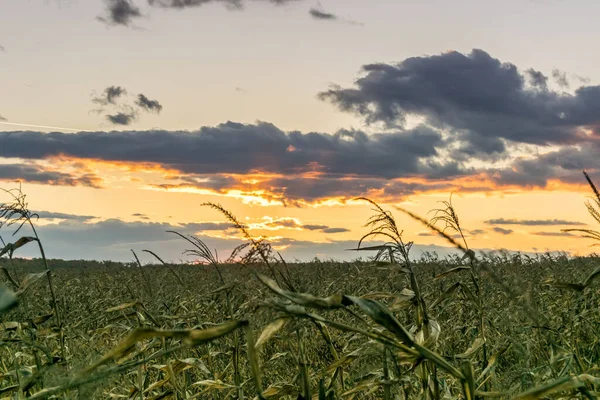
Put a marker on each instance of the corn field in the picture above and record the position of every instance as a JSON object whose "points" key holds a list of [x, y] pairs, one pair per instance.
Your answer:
{"points": [[473, 326]]}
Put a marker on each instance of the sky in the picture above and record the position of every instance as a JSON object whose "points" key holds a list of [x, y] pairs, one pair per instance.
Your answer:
{"points": [[120, 118]]}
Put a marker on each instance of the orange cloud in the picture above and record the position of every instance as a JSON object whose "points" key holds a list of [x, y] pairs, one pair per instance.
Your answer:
{"points": [[313, 189]]}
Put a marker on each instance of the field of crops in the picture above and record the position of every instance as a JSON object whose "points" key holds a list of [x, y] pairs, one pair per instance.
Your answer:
{"points": [[473, 326]]}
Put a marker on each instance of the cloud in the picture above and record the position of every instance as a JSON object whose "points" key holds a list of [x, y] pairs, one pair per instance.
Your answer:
{"points": [[292, 223], [113, 239], [148, 105], [34, 173], [124, 114], [2, 49], [318, 13], [290, 165], [122, 118], [502, 230], [278, 223], [140, 216], [473, 107], [582, 79], [537, 79], [120, 12], [298, 189], [482, 102], [244, 148], [315, 227], [564, 164], [561, 78], [64, 216], [558, 234], [209, 226], [110, 95], [473, 232], [124, 12], [335, 230], [477, 232], [324, 228], [287, 167], [294, 167], [232, 4], [531, 222], [193, 3], [2, 118]]}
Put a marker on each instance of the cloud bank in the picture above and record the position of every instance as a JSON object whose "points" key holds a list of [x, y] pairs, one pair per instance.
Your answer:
{"points": [[125, 12], [531, 222], [485, 125]]}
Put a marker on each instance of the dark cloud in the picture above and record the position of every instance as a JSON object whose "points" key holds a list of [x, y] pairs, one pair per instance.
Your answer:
{"points": [[121, 118], [292, 223], [109, 95], [208, 226], [120, 12], [582, 79], [295, 191], [502, 230], [140, 216], [564, 165], [335, 230], [113, 239], [558, 234], [148, 105], [193, 3], [561, 78], [324, 228], [124, 114], [315, 227], [2, 49], [314, 189], [283, 223], [124, 12], [2, 118], [59, 215], [233, 4], [457, 236], [34, 173], [537, 79], [306, 166], [317, 13], [240, 148], [531, 222], [480, 100]]}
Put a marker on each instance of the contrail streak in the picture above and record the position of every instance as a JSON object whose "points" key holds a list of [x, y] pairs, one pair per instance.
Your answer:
{"points": [[43, 126]]}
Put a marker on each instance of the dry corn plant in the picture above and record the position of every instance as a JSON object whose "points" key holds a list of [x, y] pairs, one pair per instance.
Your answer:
{"points": [[203, 253], [343, 331], [593, 207], [258, 249], [583, 383], [15, 213], [397, 342], [449, 217], [383, 224], [251, 252]]}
